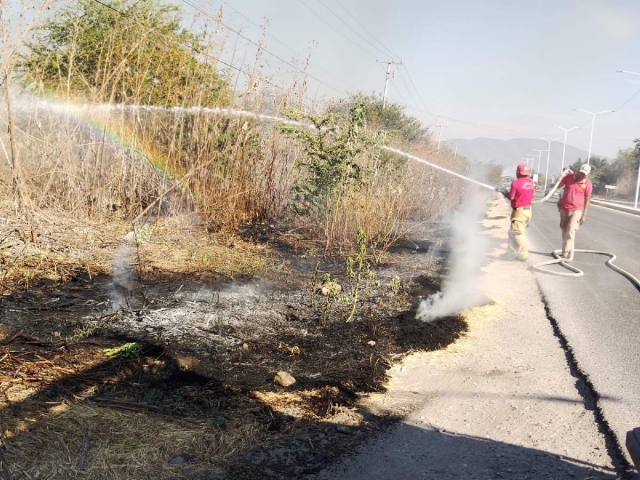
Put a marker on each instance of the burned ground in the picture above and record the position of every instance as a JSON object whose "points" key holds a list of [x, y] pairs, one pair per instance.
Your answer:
{"points": [[209, 351]]}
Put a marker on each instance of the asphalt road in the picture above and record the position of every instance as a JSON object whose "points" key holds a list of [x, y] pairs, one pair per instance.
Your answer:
{"points": [[599, 314]]}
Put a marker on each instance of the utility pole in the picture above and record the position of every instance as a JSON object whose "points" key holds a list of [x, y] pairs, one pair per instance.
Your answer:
{"points": [[389, 74], [439, 135]]}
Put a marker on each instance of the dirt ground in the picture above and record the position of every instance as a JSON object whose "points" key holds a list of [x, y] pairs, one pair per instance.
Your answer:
{"points": [[504, 401], [195, 397]]}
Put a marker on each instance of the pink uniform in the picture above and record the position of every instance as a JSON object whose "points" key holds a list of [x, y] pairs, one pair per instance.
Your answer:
{"points": [[522, 190], [575, 193]]}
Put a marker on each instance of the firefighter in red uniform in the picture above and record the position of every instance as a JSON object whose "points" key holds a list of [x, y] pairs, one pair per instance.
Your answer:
{"points": [[521, 196]]}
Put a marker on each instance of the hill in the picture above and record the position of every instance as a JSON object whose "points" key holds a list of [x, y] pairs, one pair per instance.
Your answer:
{"points": [[510, 152]]}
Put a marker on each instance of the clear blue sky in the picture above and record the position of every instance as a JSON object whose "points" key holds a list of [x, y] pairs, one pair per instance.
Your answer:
{"points": [[514, 67]]}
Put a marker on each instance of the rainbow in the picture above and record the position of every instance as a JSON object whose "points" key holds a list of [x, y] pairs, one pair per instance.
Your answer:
{"points": [[99, 120]]}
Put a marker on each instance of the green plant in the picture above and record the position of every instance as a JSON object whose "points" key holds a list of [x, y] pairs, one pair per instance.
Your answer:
{"points": [[330, 289], [359, 272], [396, 285], [131, 50], [330, 170], [128, 350], [314, 286]]}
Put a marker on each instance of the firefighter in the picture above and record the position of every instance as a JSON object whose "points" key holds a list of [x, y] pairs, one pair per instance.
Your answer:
{"points": [[521, 196], [574, 205]]}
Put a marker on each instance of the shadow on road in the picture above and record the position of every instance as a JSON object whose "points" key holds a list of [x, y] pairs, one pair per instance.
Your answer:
{"points": [[427, 453]]}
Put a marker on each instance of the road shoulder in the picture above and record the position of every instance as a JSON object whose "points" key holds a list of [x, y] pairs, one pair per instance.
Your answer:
{"points": [[500, 403]]}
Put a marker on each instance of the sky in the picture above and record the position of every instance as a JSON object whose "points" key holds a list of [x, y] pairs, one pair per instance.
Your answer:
{"points": [[482, 68]]}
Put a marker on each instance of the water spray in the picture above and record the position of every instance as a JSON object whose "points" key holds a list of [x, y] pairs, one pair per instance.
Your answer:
{"points": [[451, 299], [87, 108], [437, 167]]}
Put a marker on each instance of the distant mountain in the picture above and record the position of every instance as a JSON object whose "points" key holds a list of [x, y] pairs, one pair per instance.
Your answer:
{"points": [[510, 152]]}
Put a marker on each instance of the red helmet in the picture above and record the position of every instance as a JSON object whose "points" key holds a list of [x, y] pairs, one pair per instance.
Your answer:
{"points": [[523, 169]]}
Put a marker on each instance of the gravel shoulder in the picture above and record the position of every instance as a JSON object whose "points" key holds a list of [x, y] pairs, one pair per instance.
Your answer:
{"points": [[502, 402]]}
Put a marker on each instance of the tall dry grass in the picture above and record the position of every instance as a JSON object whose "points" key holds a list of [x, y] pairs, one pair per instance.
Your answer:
{"points": [[398, 193], [102, 164], [99, 164]]}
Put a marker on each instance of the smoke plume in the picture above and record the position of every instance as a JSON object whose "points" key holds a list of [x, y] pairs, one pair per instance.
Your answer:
{"points": [[468, 249]]}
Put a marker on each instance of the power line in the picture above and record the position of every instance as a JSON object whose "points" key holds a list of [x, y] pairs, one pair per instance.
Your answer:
{"points": [[338, 31], [109, 7], [288, 47], [260, 47], [349, 26], [435, 117], [400, 94], [628, 100], [367, 31], [187, 45], [480, 125], [409, 91], [377, 48]]}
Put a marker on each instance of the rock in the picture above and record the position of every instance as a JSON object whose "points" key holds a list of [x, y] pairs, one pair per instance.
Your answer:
{"points": [[344, 429], [186, 362], [285, 379], [330, 288], [180, 459], [371, 343]]}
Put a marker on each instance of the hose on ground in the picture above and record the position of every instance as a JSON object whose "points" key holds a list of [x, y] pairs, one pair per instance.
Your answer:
{"points": [[564, 262], [576, 272]]}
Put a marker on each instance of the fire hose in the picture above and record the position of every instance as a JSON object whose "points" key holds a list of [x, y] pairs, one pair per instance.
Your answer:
{"points": [[564, 262], [558, 260]]}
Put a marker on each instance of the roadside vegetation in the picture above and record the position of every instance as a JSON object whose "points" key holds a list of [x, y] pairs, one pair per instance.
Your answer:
{"points": [[118, 165], [622, 171], [128, 190]]}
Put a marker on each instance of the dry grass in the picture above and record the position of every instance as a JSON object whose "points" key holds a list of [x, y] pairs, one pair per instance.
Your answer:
{"points": [[122, 444], [104, 438], [173, 245], [170, 245], [108, 165]]}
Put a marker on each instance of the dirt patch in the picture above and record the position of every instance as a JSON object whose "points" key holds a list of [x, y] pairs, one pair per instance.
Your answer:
{"points": [[203, 382]]}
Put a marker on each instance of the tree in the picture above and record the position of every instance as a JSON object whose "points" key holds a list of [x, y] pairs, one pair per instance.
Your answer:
{"points": [[601, 172], [333, 168], [128, 52], [331, 150], [400, 127]]}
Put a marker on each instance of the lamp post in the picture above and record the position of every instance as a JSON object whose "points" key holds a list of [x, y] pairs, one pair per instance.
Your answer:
{"points": [[564, 146], [529, 159], [539, 157], [635, 203], [546, 173], [593, 122]]}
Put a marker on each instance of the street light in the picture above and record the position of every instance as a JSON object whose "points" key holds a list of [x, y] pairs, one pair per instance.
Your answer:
{"points": [[635, 203], [564, 147], [539, 158], [529, 155], [546, 174], [593, 122]]}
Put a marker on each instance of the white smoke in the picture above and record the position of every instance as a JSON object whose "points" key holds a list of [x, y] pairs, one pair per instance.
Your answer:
{"points": [[468, 249], [122, 278]]}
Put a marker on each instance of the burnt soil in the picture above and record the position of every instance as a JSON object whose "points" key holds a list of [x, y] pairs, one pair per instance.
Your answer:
{"points": [[211, 348]]}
